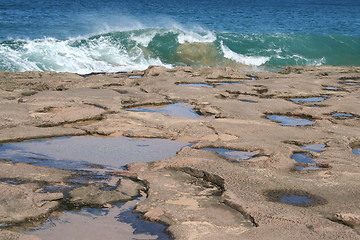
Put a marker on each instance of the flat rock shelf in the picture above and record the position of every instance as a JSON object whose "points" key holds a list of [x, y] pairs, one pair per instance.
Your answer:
{"points": [[75, 160]]}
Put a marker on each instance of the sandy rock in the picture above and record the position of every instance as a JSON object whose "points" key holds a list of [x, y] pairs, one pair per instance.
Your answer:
{"points": [[26, 172], [93, 195], [349, 218], [130, 187], [31, 132], [19, 203], [8, 235], [192, 191]]}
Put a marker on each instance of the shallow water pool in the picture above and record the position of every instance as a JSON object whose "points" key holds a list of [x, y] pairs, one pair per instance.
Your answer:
{"points": [[313, 99], [113, 223], [303, 158], [240, 155], [93, 159], [342, 115], [295, 199], [356, 151], [290, 121], [314, 147], [195, 85], [79, 152], [176, 109]]}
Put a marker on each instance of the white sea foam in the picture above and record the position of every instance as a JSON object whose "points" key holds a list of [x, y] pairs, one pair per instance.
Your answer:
{"points": [[97, 55], [301, 60], [195, 37], [243, 59], [11, 60], [316, 62], [144, 39]]}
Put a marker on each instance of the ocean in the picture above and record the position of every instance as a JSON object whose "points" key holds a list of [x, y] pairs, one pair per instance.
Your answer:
{"points": [[84, 36]]}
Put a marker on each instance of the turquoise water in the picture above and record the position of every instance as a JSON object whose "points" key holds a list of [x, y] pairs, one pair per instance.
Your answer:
{"points": [[109, 36]]}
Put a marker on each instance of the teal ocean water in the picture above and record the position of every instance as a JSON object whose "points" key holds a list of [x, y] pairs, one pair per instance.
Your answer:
{"points": [[111, 36]]}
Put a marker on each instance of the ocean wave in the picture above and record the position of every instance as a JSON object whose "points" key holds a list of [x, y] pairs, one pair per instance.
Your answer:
{"points": [[175, 46], [240, 58], [79, 56], [194, 37]]}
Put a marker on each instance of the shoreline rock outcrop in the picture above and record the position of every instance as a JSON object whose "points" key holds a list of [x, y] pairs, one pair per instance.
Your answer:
{"points": [[201, 194]]}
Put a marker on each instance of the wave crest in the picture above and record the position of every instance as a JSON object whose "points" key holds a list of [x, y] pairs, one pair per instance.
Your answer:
{"points": [[174, 46], [240, 58]]}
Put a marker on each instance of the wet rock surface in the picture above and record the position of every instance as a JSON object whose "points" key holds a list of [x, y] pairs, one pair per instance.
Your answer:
{"points": [[198, 193], [22, 202], [95, 196]]}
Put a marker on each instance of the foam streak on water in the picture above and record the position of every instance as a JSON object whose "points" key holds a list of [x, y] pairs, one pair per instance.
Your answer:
{"points": [[240, 58]]}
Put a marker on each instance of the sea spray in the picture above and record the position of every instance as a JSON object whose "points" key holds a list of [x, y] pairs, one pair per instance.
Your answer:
{"points": [[175, 46]]}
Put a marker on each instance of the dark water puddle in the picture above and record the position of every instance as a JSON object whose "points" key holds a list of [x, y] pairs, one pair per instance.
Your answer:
{"points": [[240, 155], [314, 147], [196, 85], [11, 181], [305, 162], [308, 100], [332, 88], [356, 151], [303, 158], [295, 197], [343, 115], [307, 168], [290, 121], [227, 83], [117, 222], [350, 83], [247, 101], [176, 109], [355, 148]]}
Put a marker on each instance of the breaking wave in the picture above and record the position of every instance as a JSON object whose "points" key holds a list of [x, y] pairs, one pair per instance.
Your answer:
{"points": [[174, 46]]}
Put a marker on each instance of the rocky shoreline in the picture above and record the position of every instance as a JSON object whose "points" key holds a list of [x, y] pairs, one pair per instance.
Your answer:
{"points": [[200, 193]]}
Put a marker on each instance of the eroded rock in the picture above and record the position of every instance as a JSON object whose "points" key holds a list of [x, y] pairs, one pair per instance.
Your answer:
{"points": [[94, 195], [21, 202], [180, 189], [8, 235], [26, 172]]}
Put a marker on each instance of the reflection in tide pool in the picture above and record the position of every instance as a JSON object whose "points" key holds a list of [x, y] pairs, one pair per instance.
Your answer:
{"points": [[78, 152], [92, 160], [195, 85], [314, 147], [314, 99], [303, 158], [232, 153], [332, 88], [113, 223], [289, 121], [342, 115], [296, 199], [356, 151], [176, 109]]}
